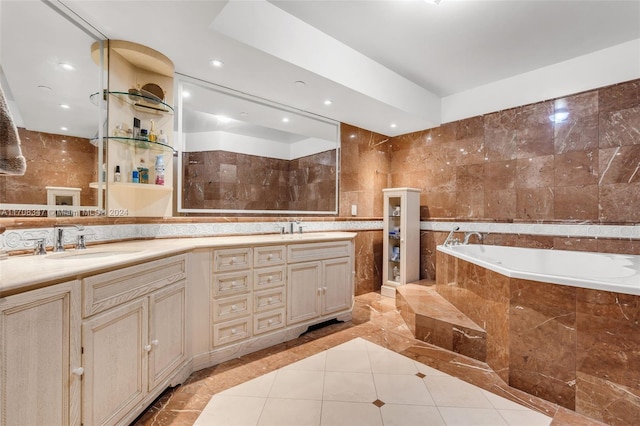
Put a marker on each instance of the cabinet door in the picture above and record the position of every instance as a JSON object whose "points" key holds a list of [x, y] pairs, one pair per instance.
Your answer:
{"points": [[167, 332], [40, 357], [303, 292], [336, 290], [115, 363]]}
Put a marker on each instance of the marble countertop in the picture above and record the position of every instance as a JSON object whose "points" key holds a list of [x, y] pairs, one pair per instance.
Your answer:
{"points": [[26, 272]]}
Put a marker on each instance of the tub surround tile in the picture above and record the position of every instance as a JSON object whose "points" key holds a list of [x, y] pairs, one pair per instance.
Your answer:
{"points": [[620, 200], [575, 347], [619, 128], [576, 202], [619, 96], [619, 164], [541, 315]]}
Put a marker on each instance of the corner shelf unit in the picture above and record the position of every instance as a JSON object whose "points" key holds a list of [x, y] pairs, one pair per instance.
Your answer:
{"points": [[142, 143], [401, 240]]}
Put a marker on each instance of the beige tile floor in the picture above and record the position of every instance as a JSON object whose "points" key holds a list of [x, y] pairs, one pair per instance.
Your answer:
{"points": [[361, 383], [382, 365]]}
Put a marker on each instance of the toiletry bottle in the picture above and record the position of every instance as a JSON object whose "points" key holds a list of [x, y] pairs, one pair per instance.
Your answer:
{"points": [[116, 175], [160, 170], [136, 128], [143, 171], [134, 177], [162, 138], [152, 132]]}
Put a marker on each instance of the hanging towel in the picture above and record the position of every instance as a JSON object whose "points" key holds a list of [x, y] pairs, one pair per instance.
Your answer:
{"points": [[11, 160]]}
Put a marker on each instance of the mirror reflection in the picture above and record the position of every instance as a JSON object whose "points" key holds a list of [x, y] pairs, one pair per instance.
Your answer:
{"points": [[47, 76], [241, 154]]}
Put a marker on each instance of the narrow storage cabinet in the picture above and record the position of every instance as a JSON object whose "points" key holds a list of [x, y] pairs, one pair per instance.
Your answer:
{"points": [[401, 239]]}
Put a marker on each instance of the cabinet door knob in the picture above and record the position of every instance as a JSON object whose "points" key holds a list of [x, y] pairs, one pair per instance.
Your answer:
{"points": [[269, 257], [155, 342], [324, 290], [147, 348], [78, 371]]}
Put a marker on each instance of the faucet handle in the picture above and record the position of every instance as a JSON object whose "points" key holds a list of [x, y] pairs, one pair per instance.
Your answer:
{"points": [[80, 242], [40, 246]]}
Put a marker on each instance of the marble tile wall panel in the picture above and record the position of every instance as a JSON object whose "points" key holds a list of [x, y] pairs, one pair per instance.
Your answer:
{"points": [[608, 356], [368, 260], [52, 160], [519, 165], [227, 180], [542, 340], [483, 296]]}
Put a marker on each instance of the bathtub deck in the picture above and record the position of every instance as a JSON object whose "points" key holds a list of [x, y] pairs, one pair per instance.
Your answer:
{"points": [[433, 319]]}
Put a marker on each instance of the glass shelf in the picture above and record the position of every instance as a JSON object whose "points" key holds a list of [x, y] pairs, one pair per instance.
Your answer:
{"points": [[140, 186], [139, 102], [142, 143]]}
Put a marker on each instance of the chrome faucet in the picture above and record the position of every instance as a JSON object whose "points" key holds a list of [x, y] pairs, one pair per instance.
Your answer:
{"points": [[450, 241], [469, 234], [58, 234]]}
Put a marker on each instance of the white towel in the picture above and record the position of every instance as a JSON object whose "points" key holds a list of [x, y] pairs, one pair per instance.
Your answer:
{"points": [[11, 160]]}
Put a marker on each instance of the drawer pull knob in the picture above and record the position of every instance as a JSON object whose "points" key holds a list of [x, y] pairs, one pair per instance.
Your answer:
{"points": [[233, 307], [233, 331], [270, 299], [155, 342], [147, 348], [270, 322], [233, 260], [270, 278], [79, 371], [269, 257]]}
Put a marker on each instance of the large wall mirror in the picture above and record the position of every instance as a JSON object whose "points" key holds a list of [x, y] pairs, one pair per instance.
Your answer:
{"points": [[239, 154], [48, 76]]}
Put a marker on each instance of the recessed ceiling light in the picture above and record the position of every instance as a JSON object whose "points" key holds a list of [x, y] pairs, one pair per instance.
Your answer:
{"points": [[285, 120], [64, 129], [64, 106], [217, 63], [299, 83], [186, 94], [222, 119], [66, 66], [394, 125], [328, 102]]}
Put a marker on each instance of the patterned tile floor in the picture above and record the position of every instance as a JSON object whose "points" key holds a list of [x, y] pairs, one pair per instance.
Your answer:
{"points": [[442, 396], [361, 383]]}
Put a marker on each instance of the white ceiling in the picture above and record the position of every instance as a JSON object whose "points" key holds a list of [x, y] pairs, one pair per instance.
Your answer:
{"points": [[407, 62]]}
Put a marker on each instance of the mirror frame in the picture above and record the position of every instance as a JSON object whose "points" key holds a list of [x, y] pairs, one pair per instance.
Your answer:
{"points": [[33, 210], [180, 80]]}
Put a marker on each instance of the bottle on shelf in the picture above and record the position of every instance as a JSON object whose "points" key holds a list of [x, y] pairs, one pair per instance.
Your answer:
{"points": [[116, 175], [135, 177], [396, 273], [152, 132], [395, 254], [162, 138], [143, 171], [160, 170]]}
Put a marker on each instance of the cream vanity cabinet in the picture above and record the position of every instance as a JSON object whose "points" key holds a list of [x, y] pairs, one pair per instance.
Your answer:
{"points": [[134, 337], [40, 365], [320, 280]]}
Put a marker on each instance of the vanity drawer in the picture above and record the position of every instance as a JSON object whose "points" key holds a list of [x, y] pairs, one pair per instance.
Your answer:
{"points": [[318, 251], [268, 321], [104, 291], [227, 308], [232, 259], [231, 331], [268, 299], [269, 255], [269, 277], [231, 283]]}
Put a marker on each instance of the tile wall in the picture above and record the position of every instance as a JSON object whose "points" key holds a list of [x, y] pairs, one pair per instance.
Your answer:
{"points": [[52, 160], [233, 181]]}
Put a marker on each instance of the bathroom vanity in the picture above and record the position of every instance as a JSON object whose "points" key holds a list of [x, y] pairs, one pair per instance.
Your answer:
{"points": [[93, 337]]}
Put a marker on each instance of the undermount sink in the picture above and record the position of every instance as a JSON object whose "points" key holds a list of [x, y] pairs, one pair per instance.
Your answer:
{"points": [[88, 254]]}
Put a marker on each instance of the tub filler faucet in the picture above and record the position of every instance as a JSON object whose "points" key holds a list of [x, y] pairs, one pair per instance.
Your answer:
{"points": [[451, 241], [469, 234]]}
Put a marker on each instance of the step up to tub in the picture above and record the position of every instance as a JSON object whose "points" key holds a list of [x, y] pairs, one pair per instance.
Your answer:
{"points": [[433, 319]]}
